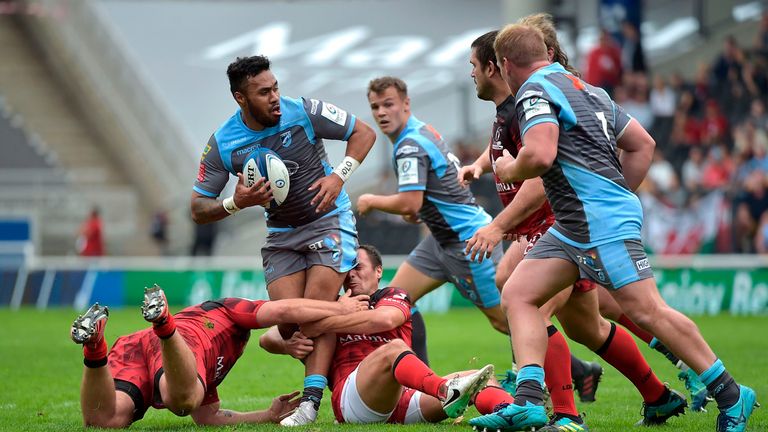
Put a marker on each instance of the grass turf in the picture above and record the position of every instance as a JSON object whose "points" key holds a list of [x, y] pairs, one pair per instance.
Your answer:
{"points": [[41, 371]]}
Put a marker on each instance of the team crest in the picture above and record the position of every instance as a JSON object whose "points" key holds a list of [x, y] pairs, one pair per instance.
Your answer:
{"points": [[285, 138]]}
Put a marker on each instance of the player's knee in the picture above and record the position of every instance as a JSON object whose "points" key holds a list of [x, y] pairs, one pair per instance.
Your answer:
{"points": [[508, 298], [182, 408], [183, 403], [647, 317], [396, 346]]}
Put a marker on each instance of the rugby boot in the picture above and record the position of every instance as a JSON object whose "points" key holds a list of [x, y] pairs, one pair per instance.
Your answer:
{"points": [[512, 417], [699, 393], [89, 327], [305, 414], [460, 390], [155, 307], [734, 418], [656, 414], [586, 386], [564, 424]]}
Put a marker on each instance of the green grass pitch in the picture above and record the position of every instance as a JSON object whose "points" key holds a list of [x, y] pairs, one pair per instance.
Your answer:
{"points": [[41, 368]]}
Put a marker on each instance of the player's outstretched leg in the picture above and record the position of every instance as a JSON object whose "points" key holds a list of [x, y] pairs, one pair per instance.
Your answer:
{"points": [[180, 388], [611, 310], [454, 393], [643, 304], [100, 404], [155, 310]]}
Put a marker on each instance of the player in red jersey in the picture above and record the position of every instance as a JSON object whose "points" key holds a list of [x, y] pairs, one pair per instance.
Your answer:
{"points": [[376, 377], [526, 217], [180, 361]]}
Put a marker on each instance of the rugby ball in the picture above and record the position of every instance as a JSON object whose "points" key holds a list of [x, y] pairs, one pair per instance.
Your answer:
{"points": [[266, 163]]}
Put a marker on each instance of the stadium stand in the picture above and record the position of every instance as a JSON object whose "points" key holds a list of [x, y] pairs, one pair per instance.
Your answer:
{"points": [[52, 167]]}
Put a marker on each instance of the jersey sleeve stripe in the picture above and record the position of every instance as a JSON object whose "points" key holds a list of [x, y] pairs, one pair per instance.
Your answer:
{"points": [[538, 121], [412, 188], [351, 126], [204, 192], [621, 132]]}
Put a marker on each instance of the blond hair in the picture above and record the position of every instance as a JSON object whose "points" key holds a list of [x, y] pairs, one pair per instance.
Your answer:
{"points": [[520, 44], [545, 23]]}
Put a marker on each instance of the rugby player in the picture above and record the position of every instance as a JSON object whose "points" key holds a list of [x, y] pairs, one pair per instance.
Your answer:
{"points": [[376, 376], [427, 191], [180, 361], [571, 131], [312, 239]]}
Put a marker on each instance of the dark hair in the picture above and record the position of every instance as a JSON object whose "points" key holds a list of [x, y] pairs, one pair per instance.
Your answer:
{"points": [[373, 254], [378, 85], [483, 47], [243, 68]]}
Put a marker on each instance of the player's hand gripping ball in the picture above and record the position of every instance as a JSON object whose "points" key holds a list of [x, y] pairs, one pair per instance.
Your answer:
{"points": [[266, 163]]}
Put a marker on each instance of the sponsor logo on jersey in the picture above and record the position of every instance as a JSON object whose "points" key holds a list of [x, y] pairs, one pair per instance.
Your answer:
{"points": [[530, 93], [246, 150], [496, 141], [362, 337], [642, 264], [219, 366], [201, 173], [315, 246], [285, 138], [205, 152], [334, 114], [406, 149], [408, 171], [315, 103], [505, 187], [535, 106]]}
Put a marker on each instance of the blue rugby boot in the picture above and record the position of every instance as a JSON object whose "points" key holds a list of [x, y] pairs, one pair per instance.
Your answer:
{"points": [[656, 414], [564, 424], [512, 418], [734, 418], [699, 393], [508, 381]]}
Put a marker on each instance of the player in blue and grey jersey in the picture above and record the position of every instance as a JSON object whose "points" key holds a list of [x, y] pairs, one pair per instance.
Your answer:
{"points": [[312, 239], [427, 190], [571, 132]]}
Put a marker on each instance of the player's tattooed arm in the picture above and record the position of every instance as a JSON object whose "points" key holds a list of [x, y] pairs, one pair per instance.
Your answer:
{"points": [[211, 414], [206, 209]]}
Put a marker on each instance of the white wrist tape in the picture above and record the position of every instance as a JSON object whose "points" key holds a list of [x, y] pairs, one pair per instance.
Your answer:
{"points": [[229, 205], [346, 168]]}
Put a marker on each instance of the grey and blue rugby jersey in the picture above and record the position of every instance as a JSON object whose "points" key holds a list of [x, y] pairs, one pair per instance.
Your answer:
{"points": [[422, 162], [297, 139], [585, 186]]}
